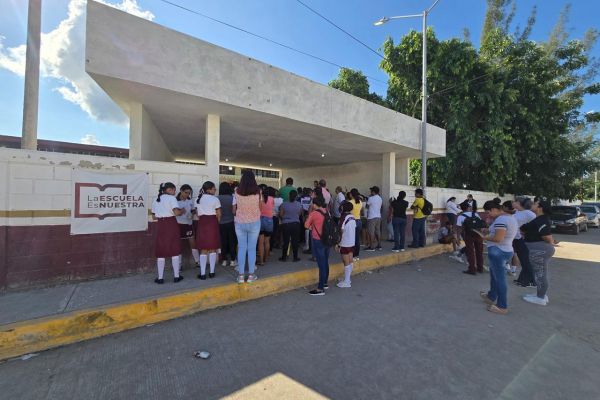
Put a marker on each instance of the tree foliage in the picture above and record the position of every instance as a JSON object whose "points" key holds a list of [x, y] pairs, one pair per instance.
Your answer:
{"points": [[355, 83], [511, 108]]}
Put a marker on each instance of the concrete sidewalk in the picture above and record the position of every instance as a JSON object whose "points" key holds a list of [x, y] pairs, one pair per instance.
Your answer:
{"points": [[38, 319]]}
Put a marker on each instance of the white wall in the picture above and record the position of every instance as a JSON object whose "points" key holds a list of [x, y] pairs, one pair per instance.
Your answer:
{"points": [[439, 196], [360, 175], [36, 185]]}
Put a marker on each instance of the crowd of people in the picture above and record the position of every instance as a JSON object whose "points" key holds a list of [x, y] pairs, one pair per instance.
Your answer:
{"points": [[242, 224]]}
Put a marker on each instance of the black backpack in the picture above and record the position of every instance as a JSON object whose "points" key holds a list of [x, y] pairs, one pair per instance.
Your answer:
{"points": [[331, 233], [427, 207], [473, 223]]}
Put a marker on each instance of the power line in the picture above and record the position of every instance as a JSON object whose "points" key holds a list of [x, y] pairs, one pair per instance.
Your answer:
{"points": [[262, 37], [341, 29]]}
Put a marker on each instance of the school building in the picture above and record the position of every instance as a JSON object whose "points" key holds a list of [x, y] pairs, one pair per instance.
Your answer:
{"points": [[197, 112]]}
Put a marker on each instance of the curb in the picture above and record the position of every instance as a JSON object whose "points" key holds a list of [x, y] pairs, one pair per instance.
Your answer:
{"points": [[48, 332]]}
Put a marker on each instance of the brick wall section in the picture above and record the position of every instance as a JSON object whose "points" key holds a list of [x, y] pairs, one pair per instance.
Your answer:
{"points": [[41, 255]]}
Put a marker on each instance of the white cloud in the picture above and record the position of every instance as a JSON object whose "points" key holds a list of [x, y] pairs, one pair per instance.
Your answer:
{"points": [[90, 139], [63, 58]]}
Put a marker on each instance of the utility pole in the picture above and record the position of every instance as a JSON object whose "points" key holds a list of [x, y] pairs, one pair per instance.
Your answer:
{"points": [[32, 76]]}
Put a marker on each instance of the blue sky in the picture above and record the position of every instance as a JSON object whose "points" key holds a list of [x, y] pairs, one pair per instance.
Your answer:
{"points": [[285, 21]]}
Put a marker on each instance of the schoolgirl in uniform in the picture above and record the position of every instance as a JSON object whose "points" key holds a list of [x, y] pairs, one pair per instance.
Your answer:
{"points": [[208, 237], [346, 246], [185, 220], [165, 209]]}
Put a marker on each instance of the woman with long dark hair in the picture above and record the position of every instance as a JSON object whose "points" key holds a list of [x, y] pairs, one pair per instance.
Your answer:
{"points": [[540, 243], [246, 208], [226, 225]]}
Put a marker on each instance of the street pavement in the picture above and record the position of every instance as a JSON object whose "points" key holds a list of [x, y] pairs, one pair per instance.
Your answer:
{"points": [[414, 331]]}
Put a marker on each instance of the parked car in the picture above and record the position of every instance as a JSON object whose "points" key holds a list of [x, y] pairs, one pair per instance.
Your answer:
{"points": [[569, 219], [592, 213]]}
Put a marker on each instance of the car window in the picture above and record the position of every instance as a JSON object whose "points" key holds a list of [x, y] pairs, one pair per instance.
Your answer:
{"points": [[588, 209], [565, 211]]}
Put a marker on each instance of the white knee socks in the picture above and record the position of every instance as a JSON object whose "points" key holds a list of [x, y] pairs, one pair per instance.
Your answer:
{"points": [[196, 255], [212, 259], [347, 273], [203, 258], [160, 264], [176, 261]]}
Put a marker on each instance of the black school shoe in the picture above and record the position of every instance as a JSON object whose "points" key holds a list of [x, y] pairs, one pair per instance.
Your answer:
{"points": [[159, 281], [202, 277], [211, 275], [178, 279], [297, 259], [283, 259], [317, 292]]}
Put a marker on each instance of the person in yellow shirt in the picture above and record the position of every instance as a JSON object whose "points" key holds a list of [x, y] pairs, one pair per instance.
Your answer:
{"points": [[418, 223]]}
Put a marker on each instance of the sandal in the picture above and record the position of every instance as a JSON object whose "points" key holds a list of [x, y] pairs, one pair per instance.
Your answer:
{"points": [[485, 298], [497, 310]]}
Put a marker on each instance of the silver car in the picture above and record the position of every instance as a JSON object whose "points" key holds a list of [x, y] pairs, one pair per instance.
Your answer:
{"points": [[592, 213]]}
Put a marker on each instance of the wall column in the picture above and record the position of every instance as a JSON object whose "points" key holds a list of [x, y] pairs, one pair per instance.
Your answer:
{"points": [[402, 171], [212, 146], [32, 76], [145, 140]]}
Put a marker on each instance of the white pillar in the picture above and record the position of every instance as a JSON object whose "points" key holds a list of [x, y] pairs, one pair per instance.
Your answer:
{"points": [[32, 76], [145, 140], [212, 146], [135, 131], [402, 171]]}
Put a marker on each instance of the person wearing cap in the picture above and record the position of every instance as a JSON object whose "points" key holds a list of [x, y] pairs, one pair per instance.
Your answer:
{"points": [[374, 204]]}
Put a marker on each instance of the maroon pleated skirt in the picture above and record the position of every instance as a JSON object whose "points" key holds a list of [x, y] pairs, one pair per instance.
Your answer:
{"points": [[207, 233], [168, 242]]}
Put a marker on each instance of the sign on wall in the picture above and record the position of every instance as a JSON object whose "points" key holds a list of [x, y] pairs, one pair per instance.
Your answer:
{"points": [[109, 202]]}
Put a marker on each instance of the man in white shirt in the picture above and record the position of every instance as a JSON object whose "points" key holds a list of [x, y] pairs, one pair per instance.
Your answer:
{"points": [[374, 204], [337, 201]]}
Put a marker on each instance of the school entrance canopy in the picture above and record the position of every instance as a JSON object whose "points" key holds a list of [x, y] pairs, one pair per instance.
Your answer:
{"points": [[191, 100]]}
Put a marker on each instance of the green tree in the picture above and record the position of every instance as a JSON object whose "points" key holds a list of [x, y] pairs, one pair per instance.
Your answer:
{"points": [[355, 83], [510, 110]]}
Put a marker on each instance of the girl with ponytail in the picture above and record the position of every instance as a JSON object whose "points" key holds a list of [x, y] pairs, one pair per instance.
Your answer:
{"points": [[165, 209], [208, 236], [185, 220]]}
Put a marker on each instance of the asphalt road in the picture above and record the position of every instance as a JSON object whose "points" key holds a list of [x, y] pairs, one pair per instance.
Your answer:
{"points": [[416, 331]]}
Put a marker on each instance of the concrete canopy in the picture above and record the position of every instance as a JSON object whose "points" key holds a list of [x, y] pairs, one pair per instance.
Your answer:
{"points": [[267, 115]]}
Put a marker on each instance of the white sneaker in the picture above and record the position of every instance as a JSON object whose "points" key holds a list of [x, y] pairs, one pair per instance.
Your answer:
{"points": [[233, 263], [355, 259], [457, 258], [343, 284], [240, 279], [535, 300], [252, 278], [224, 264], [535, 295]]}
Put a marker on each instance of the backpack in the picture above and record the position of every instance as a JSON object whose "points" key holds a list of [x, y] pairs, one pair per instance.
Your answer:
{"points": [[473, 223], [331, 233], [427, 207]]}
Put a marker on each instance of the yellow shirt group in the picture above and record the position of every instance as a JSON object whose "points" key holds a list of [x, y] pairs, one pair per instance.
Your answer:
{"points": [[420, 203]]}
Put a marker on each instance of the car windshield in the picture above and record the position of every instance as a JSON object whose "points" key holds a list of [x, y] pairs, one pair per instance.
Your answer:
{"points": [[564, 211], [588, 209]]}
